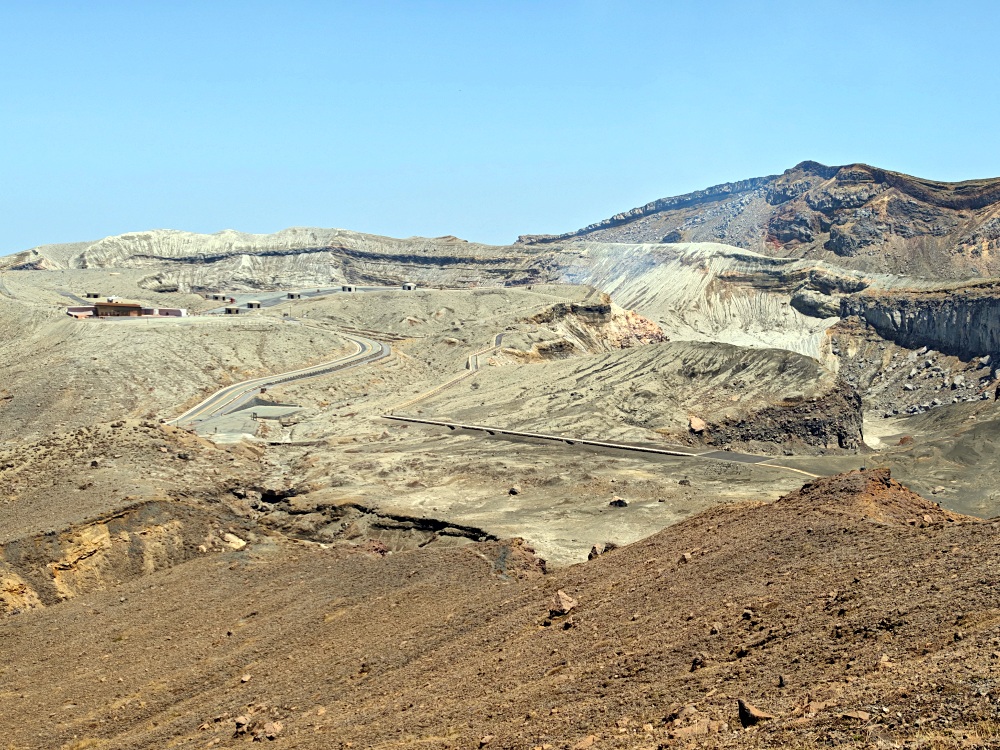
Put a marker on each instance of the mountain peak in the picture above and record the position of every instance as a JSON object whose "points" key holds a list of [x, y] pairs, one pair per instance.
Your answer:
{"points": [[855, 215]]}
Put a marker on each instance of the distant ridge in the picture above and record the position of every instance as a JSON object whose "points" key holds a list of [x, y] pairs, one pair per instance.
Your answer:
{"points": [[855, 215]]}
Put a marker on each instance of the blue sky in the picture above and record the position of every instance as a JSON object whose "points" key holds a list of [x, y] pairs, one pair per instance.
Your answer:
{"points": [[480, 119]]}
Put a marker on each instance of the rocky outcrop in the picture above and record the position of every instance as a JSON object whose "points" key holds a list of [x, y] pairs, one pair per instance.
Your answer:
{"points": [[595, 309], [688, 200], [145, 537], [831, 421], [571, 329]]}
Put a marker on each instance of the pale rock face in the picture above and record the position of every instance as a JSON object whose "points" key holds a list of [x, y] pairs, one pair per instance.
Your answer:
{"points": [[292, 257], [703, 292]]}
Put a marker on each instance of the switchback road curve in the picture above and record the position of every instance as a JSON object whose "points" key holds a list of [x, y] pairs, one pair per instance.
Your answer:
{"points": [[232, 397]]}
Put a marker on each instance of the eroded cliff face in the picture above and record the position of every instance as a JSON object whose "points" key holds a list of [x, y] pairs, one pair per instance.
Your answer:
{"points": [[48, 568], [881, 220], [571, 329], [963, 321], [702, 291]]}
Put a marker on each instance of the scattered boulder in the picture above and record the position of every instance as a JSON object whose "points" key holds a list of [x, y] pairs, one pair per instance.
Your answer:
{"points": [[617, 502], [859, 715], [697, 425], [750, 714], [272, 729], [601, 548], [562, 604], [699, 661], [515, 490], [702, 726]]}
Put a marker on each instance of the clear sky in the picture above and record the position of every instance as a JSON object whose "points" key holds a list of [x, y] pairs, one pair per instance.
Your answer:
{"points": [[481, 119]]}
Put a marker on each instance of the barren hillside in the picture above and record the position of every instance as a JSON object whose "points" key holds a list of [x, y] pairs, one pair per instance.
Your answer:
{"points": [[62, 373], [304, 567], [742, 398], [851, 612], [856, 216]]}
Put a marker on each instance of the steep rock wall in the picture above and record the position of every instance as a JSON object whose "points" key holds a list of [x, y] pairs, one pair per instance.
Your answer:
{"points": [[961, 322]]}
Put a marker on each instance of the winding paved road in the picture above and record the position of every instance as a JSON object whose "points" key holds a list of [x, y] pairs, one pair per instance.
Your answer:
{"points": [[369, 350], [234, 396], [713, 455]]}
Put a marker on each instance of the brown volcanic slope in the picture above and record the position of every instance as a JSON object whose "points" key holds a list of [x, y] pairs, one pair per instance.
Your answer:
{"points": [[856, 216], [853, 610]]}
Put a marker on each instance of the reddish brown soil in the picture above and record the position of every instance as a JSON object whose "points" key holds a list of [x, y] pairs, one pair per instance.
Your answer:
{"points": [[876, 610]]}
